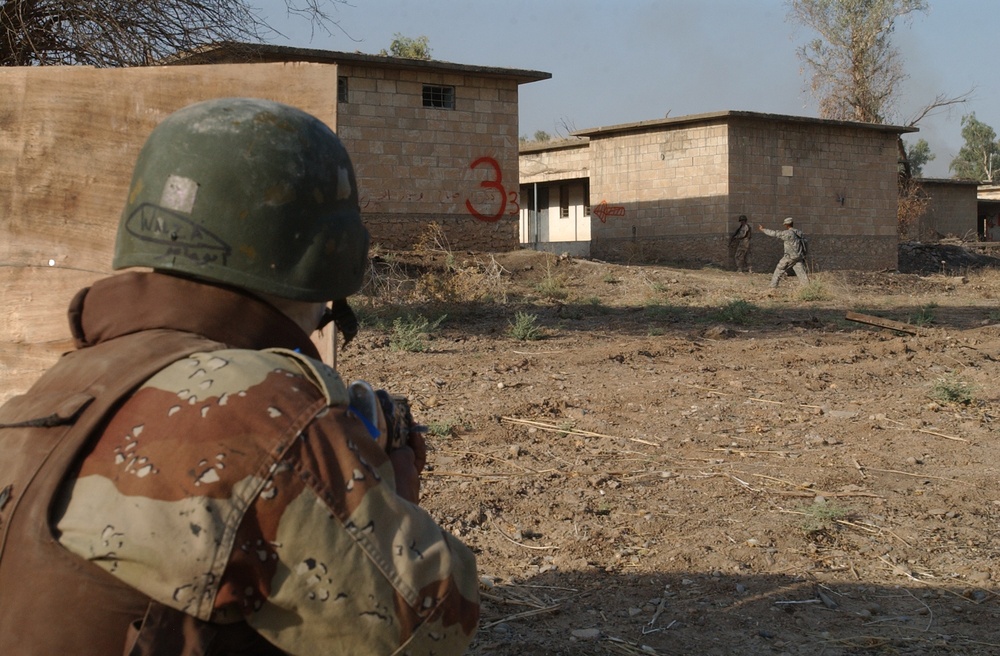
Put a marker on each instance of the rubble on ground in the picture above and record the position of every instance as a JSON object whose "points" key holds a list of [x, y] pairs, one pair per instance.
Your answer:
{"points": [[945, 257]]}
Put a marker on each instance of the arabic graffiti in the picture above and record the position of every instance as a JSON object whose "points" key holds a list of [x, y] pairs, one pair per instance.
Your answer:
{"points": [[168, 234], [489, 202]]}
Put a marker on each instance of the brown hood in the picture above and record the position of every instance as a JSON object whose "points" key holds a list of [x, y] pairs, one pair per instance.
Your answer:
{"points": [[132, 302]]}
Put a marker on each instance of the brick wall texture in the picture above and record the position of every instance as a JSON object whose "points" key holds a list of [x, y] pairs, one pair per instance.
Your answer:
{"points": [[684, 186], [417, 165], [568, 163], [951, 212]]}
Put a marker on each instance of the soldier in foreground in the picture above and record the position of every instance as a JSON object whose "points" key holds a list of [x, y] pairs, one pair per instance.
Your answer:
{"points": [[795, 251], [192, 479]]}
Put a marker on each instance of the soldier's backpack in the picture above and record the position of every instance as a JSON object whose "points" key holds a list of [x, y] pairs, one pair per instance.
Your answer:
{"points": [[801, 244]]}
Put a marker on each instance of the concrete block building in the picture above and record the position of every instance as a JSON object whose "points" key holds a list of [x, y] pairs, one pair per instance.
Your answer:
{"points": [[988, 212], [432, 142], [952, 208], [671, 190], [555, 196]]}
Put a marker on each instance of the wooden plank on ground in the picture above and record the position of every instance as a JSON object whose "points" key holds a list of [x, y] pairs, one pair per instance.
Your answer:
{"points": [[883, 323]]}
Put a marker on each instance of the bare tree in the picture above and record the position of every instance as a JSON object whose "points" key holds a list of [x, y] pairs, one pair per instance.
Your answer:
{"points": [[108, 33]]}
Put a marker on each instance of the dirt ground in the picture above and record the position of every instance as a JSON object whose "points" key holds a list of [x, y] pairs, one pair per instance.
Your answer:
{"points": [[687, 463]]}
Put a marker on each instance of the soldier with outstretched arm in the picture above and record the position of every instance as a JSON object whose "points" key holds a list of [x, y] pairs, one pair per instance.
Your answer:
{"points": [[794, 255]]}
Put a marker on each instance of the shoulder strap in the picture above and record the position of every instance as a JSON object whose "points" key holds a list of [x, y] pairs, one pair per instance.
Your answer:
{"points": [[323, 376], [41, 434]]}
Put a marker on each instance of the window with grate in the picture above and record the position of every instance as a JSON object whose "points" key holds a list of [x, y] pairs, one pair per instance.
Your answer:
{"points": [[439, 96], [563, 201], [341, 89]]}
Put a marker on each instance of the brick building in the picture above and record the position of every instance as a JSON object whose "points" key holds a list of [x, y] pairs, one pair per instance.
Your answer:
{"points": [[989, 212], [431, 141], [951, 210], [671, 190]]}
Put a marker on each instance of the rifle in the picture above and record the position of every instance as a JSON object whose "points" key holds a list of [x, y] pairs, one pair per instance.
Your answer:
{"points": [[387, 417]]}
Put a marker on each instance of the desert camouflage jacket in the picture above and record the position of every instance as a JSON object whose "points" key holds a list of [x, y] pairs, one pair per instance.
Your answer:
{"points": [[233, 486]]}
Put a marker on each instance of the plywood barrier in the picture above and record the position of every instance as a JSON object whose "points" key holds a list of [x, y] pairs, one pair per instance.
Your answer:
{"points": [[69, 137]]}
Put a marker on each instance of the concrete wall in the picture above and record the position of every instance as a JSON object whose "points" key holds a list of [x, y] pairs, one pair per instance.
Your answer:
{"points": [[661, 194], [560, 160], [952, 210], [837, 181], [673, 192], [417, 165]]}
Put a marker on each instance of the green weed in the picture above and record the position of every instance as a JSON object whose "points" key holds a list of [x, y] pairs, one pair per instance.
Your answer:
{"points": [[924, 316], [410, 333], [821, 516], [524, 328], [815, 291], [736, 311], [552, 286], [952, 389], [441, 428]]}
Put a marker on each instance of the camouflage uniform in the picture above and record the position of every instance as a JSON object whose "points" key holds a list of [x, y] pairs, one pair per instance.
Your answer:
{"points": [[792, 259], [234, 486], [742, 238]]}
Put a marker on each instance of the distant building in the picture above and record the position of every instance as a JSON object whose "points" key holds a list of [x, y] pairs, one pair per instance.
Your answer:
{"points": [[988, 212], [951, 210], [431, 141], [555, 196], [671, 190]]}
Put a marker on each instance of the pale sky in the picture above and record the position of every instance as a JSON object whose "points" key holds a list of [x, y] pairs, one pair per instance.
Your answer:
{"points": [[621, 61]]}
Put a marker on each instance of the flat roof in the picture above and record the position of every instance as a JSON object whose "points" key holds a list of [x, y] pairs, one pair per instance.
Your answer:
{"points": [[951, 181], [725, 116], [232, 52], [552, 144]]}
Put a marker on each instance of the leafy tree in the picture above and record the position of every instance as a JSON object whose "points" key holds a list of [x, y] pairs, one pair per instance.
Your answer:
{"points": [[980, 154], [404, 46], [106, 33], [541, 136], [856, 71], [919, 154]]}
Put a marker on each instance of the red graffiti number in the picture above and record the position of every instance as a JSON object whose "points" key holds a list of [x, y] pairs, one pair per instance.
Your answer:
{"points": [[496, 183], [515, 207]]}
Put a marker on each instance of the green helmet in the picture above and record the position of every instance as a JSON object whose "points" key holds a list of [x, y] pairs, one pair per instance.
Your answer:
{"points": [[247, 192]]}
